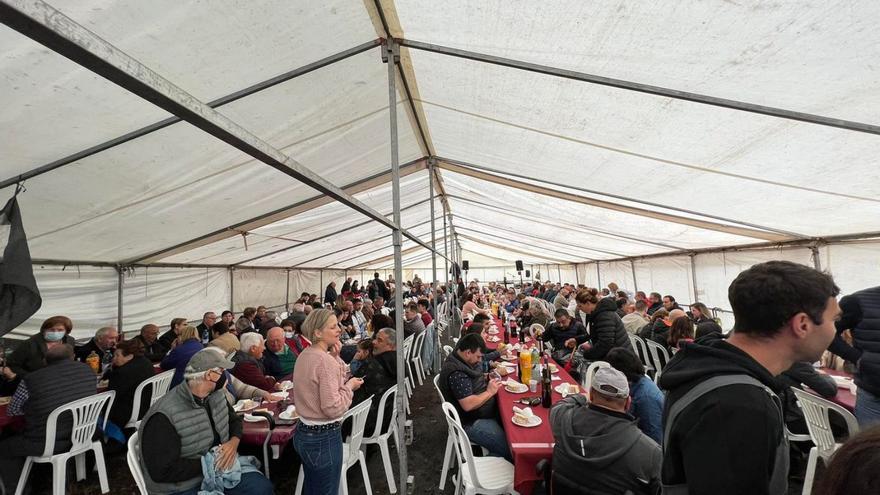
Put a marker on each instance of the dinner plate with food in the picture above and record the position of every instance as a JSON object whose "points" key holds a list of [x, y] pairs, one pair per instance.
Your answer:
{"points": [[525, 417], [515, 387]]}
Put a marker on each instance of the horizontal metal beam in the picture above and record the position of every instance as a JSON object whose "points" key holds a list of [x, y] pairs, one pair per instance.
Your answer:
{"points": [[545, 182], [452, 166], [561, 225], [297, 208], [645, 88], [516, 248], [219, 102], [46, 25], [522, 239], [367, 264]]}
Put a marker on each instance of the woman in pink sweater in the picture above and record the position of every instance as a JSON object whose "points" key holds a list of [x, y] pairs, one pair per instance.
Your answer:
{"points": [[322, 396]]}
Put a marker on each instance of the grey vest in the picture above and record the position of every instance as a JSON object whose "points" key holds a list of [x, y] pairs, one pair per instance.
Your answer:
{"points": [[779, 478], [194, 428], [49, 388]]}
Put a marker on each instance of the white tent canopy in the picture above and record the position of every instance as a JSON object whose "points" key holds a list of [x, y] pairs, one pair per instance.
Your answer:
{"points": [[664, 147]]}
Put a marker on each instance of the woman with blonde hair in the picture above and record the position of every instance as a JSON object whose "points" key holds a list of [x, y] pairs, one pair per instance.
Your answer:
{"points": [[322, 396], [186, 346]]}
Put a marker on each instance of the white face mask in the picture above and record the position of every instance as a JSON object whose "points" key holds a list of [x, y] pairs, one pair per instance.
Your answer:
{"points": [[52, 336], [288, 335]]}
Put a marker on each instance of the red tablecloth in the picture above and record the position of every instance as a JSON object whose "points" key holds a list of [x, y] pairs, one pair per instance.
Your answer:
{"points": [[528, 445], [255, 433], [844, 397]]}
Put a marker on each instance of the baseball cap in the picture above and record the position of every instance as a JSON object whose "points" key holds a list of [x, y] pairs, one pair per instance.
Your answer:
{"points": [[208, 359], [610, 383]]}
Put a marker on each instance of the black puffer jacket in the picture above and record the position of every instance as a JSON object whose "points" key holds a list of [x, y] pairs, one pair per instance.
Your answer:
{"points": [[606, 331]]}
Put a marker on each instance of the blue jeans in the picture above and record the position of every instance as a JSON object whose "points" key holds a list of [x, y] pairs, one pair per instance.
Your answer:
{"points": [[321, 455], [250, 484], [488, 433], [867, 409]]}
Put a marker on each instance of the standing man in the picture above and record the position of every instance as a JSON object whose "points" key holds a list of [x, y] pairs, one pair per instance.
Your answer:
{"points": [[722, 407], [381, 288], [330, 294], [204, 328], [861, 316]]}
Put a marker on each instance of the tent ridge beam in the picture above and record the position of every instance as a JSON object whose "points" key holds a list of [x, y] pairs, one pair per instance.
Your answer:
{"points": [[461, 168], [645, 88], [286, 212], [219, 102], [49, 27], [517, 250], [470, 231], [784, 233]]}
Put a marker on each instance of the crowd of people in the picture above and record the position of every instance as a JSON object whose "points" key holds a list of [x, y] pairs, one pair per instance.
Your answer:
{"points": [[722, 400]]}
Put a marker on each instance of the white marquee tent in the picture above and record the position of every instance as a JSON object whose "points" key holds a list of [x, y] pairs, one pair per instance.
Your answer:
{"points": [[184, 156]]}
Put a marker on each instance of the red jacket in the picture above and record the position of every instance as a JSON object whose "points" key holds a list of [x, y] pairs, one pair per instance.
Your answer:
{"points": [[249, 370], [426, 319]]}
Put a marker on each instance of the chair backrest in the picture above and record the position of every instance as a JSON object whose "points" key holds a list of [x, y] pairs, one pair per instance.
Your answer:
{"points": [[462, 445], [641, 350], [587, 379], [447, 349], [358, 415], [659, 356], [85, 413], [407, 346], [134, 465], [390, 394], [418, 343], [159, 385], [442, 316], [437, 386], [815, 411]]}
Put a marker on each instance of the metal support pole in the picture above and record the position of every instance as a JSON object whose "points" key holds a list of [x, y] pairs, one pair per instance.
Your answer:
{"points": [[632, 265], [434, 279], [577, 277], [232, 289], [287, 293], [559, 274], [598, 277], [694, 277], [321, 286], [121, 271], [816, 263], [391, 55]]}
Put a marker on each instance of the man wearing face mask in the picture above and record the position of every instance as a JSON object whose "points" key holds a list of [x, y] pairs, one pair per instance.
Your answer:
{"points": [[30, 355], [188, 422]]}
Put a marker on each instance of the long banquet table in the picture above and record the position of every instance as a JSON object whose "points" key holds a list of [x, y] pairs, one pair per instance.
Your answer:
{"points": [[529, 445]]}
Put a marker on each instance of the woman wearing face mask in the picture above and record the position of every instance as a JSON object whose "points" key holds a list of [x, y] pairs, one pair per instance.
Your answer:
{"points": [[322, 395], [30, 355]]}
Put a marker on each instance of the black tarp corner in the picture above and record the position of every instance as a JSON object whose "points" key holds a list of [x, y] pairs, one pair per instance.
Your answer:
{"points": [[19, 294]]}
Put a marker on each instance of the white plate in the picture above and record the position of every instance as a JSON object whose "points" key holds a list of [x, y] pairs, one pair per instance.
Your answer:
{"points": [[280, 395], [286, 385], [533, 422], [289, 417], [255, 419], [507, 357], [492, 331], [493, 339], [245, 405], [563, 388], [521, 388]]}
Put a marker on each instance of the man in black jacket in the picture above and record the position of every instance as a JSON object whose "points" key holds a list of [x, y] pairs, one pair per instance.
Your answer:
{"points": [[204, 328], [861, 316], [149, 338], [564, 328], [330, 295], [722, 407], [379, 374], [103, 344]]}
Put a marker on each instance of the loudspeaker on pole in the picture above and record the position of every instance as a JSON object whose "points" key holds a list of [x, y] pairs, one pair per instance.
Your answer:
{"points": [[519, 265]]}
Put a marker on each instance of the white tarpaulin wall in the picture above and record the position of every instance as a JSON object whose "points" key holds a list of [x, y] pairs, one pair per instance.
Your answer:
{"points": [[578, 180]]}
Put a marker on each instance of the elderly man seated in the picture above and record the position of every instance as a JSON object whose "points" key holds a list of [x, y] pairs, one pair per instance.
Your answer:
{"points": [[149, 338], [249, 365], [278, 358], [464, 385], [103, 344], [190, 421], [39, 393], [599, 442]]}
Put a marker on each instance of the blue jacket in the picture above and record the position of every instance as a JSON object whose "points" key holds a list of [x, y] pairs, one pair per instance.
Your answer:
{"points": [[647, 407], [216, 483], [178, 358]]}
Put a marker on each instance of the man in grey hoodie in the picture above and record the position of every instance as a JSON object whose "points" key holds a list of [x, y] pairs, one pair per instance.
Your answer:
{"points": [[599, 447]]}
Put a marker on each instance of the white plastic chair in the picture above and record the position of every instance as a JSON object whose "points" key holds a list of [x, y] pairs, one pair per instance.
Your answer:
{"points": [[381, 439], [815, 411], [587, 379], [160, 385], [134, 465], [85, 413], [351, 448], [407, 353], [641, 349], [450, 440], [659, 357], [415, 359], [447, 350], [484, 475]]}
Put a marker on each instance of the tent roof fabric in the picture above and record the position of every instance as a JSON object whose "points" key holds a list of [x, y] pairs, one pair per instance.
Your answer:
{"points": [[533, 166]]}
